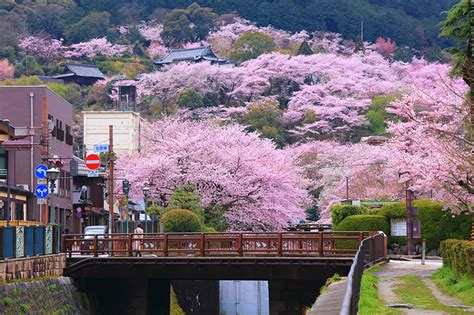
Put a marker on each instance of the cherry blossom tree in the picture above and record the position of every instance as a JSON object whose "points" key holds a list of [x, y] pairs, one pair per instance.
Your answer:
{"points": [[386, 47], [258, 185], [6, 70], [95, 47], [431, 142], [42, 47]]}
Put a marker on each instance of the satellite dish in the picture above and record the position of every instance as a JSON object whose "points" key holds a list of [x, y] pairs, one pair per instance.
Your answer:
{"points": [[50, 126]]}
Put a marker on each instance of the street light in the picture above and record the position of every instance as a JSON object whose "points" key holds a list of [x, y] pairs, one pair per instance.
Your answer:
{"points": [[146, 192], [347, 174], [53, 174]]}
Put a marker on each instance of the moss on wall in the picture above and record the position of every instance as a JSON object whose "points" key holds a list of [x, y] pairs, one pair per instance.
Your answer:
{"points": [[46, 296]]}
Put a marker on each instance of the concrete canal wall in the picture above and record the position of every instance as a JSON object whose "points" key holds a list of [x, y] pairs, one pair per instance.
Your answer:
{"points": [[44, 296]]}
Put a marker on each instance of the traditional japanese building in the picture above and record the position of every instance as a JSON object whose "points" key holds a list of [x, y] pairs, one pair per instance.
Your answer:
{"points": [[203, 53], [80, 74]]}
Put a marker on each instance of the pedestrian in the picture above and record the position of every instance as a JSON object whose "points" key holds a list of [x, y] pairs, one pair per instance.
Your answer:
{"points": [[138, 233]]}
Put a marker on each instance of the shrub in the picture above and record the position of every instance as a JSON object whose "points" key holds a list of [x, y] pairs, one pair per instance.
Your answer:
{"points": [[436, 224], [363, 222], [181, 220], [341, 211], [458, 255]]}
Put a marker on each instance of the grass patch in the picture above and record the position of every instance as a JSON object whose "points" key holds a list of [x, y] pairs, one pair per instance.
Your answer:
{"points": [[414, 291], [453, 284], [369, 302], [175, 308], [334, 278]]}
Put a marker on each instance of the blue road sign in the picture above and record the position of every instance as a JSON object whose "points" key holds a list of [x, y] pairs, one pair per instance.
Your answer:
{"points": [[40, 171], [101, 148], [41, 191]]}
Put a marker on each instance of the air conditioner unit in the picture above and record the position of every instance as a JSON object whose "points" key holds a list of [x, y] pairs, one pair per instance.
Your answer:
{"points": [[24, 187]]}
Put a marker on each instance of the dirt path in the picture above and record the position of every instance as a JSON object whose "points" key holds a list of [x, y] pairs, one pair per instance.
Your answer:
{"points": [[388, 280]]}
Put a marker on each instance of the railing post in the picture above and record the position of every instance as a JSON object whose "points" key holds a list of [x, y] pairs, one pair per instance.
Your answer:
{"points": [[165, 244], [361, 237], [320, 244], [96, 254], [280, 244], [203, 249], [239, 244], [130, 243]]}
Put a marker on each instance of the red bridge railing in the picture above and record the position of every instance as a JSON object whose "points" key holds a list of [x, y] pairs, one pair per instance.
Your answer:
{"points": [[217, 244]]}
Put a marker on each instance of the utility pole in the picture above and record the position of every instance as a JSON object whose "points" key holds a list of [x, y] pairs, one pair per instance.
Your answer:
{"points": [[409, 214], [44, 151], [111, 159]]}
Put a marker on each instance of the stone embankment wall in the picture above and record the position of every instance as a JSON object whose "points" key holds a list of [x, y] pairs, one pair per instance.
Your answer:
{"points": [[32, 267], [45, 296]]}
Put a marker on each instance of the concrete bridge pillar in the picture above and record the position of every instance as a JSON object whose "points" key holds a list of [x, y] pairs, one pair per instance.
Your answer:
{"points": [[292, 296]]}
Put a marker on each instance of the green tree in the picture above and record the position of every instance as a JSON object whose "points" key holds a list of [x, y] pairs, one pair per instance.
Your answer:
{"points": [[359, 44], [266, 118], [91, 26], [251, 45], [48, 18], [377, 115], [181, 220], [187, 25], [304, 49], [185, 197], [28, 66], [190, 98]]}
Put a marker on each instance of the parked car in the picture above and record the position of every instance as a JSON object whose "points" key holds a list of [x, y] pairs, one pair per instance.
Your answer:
{"points": [[88, 243]]}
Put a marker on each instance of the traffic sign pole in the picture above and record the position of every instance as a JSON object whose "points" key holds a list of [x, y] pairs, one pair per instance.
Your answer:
{"points": [[111, 179]]}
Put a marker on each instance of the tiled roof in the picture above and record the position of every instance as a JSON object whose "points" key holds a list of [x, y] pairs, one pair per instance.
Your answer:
{"points": [[190, 54], [90, 71]]}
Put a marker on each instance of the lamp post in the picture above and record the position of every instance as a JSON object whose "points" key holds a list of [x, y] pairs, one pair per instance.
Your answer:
{"points": [[347, 174], [146, 192], [53, 174]]}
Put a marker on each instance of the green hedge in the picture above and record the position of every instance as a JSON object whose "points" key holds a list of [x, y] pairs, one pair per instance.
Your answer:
{"points": [[364, 222], [181, 220], [341, 211], [458, 255], [436, 224]]}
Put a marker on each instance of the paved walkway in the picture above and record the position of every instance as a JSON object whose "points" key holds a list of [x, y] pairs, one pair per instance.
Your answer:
{"points": [[388, 280]]}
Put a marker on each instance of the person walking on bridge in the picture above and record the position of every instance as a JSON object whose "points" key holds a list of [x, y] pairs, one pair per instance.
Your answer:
{"points": [[138, 233]]}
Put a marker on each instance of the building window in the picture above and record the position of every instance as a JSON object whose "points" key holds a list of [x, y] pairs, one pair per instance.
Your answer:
{"points": [[19, 211], [3, 164], [69, 139]]}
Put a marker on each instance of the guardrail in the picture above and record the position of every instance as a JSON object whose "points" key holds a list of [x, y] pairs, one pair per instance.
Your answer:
{"points": [[217, 244], [22, 241], [370, 251]]}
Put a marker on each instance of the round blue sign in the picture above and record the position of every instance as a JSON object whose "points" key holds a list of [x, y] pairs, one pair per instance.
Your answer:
{"points": [[40, 171], [41, 191]]}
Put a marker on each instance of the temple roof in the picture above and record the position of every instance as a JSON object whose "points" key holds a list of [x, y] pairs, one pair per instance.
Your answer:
{"points": [[90, 71], [190, 54]]}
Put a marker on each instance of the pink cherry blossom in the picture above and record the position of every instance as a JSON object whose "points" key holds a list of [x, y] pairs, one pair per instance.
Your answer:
{"points": [[258, 184]]}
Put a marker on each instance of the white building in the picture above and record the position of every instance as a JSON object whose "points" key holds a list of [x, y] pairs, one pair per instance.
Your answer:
{"points": [[127, 130]]}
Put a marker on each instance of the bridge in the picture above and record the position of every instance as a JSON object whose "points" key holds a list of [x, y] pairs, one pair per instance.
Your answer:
{"points": [[295, 264]]}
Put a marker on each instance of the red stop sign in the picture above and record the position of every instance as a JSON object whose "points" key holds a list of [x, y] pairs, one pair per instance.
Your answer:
{"points": [[92, 161]]}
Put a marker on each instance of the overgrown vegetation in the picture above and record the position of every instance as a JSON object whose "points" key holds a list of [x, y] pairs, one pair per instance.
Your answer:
{"points": [[369, 302], [459, 255], [454, 284]]}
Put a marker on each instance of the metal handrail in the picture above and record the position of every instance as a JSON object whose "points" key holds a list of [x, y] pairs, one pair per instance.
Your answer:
{"points": [[376, 252]]}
